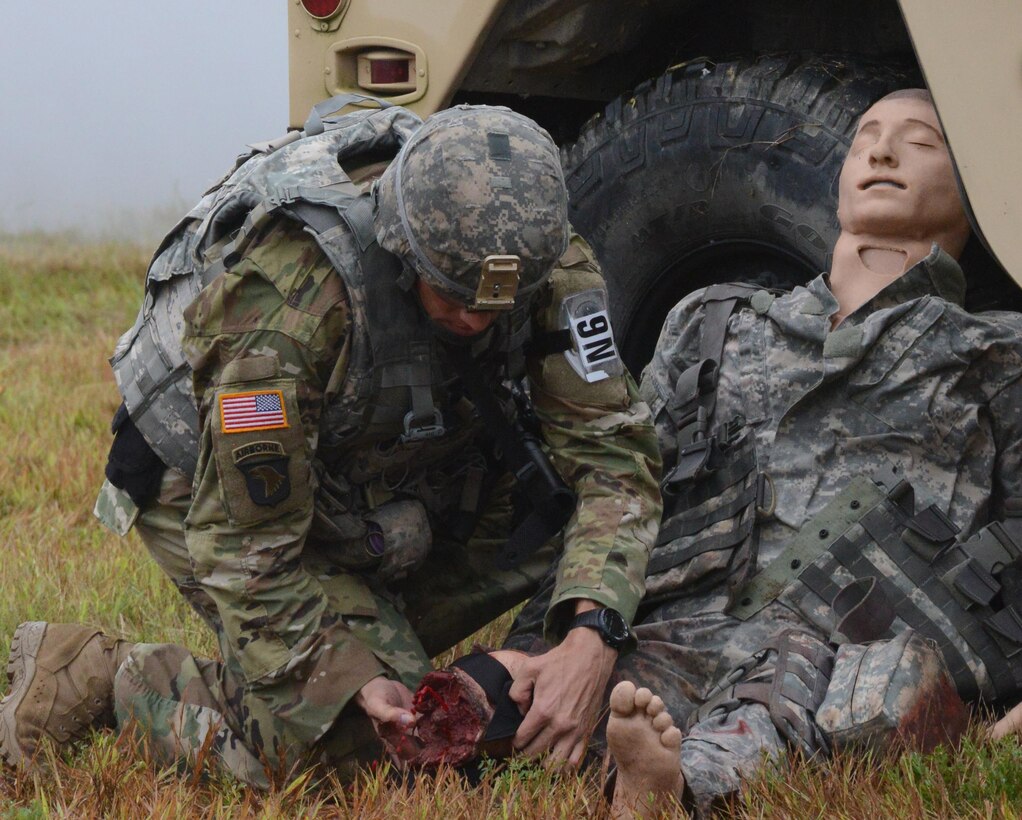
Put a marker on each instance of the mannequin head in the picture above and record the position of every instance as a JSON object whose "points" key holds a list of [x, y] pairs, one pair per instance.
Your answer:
{"points": [[897, 196], [897, 182]]}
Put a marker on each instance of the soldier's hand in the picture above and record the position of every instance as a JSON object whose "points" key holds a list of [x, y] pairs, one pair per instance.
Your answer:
{"points": [[1010, 724], [386, 701], [563, 691]]}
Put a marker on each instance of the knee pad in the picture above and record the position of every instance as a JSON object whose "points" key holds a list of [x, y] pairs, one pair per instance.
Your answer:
{"points": [[790, 677], [895, 691]]}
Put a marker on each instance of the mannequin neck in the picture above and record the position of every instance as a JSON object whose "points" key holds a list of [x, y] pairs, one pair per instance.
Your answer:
{"points": [[865, 265]]}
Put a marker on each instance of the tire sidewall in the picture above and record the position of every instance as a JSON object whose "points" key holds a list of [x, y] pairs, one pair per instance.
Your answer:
{"points": [[691, 182]]}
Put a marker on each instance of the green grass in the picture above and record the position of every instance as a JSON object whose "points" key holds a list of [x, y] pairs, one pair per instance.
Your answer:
{"points": [[62, 307]]}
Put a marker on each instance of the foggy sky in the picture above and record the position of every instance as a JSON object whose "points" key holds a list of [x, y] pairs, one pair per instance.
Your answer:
{"points": [[111, 111]]}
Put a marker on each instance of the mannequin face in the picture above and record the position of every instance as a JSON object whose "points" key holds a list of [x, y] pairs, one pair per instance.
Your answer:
{"points": [[897, 180]]}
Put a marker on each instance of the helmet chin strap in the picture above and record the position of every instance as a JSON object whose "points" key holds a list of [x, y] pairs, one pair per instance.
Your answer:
{"points": [[406, 281]]}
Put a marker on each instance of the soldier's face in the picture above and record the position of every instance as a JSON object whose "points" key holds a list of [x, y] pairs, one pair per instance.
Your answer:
{"points": [[897, 179], [451, 315]]}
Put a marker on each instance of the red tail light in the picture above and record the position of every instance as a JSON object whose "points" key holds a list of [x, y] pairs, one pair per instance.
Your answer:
{"points": [[390, 71], [322, 9], [386, 71]]}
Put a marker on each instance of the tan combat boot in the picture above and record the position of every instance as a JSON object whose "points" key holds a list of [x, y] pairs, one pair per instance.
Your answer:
{"points": [[62, 683]]}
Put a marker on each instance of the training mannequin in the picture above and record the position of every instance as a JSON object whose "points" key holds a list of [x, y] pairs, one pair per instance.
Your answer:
{"points": [[872, 369]]}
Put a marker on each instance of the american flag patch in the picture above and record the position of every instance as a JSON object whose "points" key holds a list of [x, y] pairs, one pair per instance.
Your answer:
{"points": [[245, 412]]}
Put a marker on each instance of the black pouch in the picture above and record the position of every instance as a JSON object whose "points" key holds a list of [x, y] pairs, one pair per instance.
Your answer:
{"points": [[132, 465], [712, 502]]}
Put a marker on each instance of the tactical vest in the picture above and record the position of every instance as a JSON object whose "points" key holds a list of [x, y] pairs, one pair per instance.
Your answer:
{"points": [[870, 565], [394, 375], [867, 567], [715, 492], [401, 420]]}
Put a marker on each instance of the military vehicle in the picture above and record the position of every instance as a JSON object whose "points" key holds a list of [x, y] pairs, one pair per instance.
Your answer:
{"points": [[701, 141]]}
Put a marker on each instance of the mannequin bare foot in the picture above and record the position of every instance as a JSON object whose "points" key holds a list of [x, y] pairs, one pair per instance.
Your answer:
{"points": [[646, 745]]}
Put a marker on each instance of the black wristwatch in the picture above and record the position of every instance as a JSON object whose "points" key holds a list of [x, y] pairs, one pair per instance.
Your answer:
{"points": [[612, 627]]}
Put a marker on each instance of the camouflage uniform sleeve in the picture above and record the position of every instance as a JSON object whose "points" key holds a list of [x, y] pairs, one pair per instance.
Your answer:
{"points": [[601, 441], [676, 350], [268, 334]]}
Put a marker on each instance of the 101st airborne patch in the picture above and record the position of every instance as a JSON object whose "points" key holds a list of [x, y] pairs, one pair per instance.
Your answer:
{"points": [[265, 467]]}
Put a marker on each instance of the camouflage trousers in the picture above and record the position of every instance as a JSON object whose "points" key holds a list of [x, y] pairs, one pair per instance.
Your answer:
{"points": [[746, 692], [695, 659], [691, 654], [192, 708]]}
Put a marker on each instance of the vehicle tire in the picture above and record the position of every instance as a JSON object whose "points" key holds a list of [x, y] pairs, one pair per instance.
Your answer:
{"points": [[716, 172]]}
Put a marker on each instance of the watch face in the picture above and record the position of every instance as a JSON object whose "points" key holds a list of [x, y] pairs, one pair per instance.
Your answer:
{"points": [[614, 625]]}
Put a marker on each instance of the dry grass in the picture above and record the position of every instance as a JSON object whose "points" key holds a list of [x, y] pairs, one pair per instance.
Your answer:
{"points": [[62, 306]]}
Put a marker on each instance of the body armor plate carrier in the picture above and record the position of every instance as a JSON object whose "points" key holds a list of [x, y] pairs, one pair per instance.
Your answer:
{"points": [[151, 372], [396, 389], [868, 566]]}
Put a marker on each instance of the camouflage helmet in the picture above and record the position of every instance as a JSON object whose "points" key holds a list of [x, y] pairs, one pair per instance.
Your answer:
{"points": [[476, 195]]}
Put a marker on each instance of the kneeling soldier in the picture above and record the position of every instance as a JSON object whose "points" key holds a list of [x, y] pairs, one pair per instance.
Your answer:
{"points": [[408, 409]]}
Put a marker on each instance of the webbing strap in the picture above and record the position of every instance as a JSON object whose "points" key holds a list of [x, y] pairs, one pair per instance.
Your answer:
{"points": [[553, 502], [719, 302], [424, 420], [814, 539], [269, 146], [359, 216], [692, 385], [683, 525], [864, 611], [694, 380], [661, 561], [734, 470], [754, 681], [850, 555], [695, 392], [819, 581], [321, 110], [321, 218], [711, 348], [887, 534]]}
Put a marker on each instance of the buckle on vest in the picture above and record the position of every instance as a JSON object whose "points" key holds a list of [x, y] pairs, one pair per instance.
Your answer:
{"points": [[986, 554], [1006, 628], [730, 431], [972, 582], [423, 430], [692, 460], [930, 533]]}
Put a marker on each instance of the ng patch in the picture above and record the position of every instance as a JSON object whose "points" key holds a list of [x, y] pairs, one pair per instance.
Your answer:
{"points": [[252, 411], [265, 467], [593, 354]]}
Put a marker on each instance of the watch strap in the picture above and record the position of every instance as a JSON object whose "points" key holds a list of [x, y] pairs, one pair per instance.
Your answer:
{"points": [[590, 618], [593, 619]]}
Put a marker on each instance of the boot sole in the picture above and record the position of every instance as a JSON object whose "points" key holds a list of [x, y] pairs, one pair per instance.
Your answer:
{"points": [[20, 672]]}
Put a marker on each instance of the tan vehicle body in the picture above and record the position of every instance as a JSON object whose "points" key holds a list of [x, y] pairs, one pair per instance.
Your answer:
{"points": [[444, 36], [562, 61], [983, 122]]}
